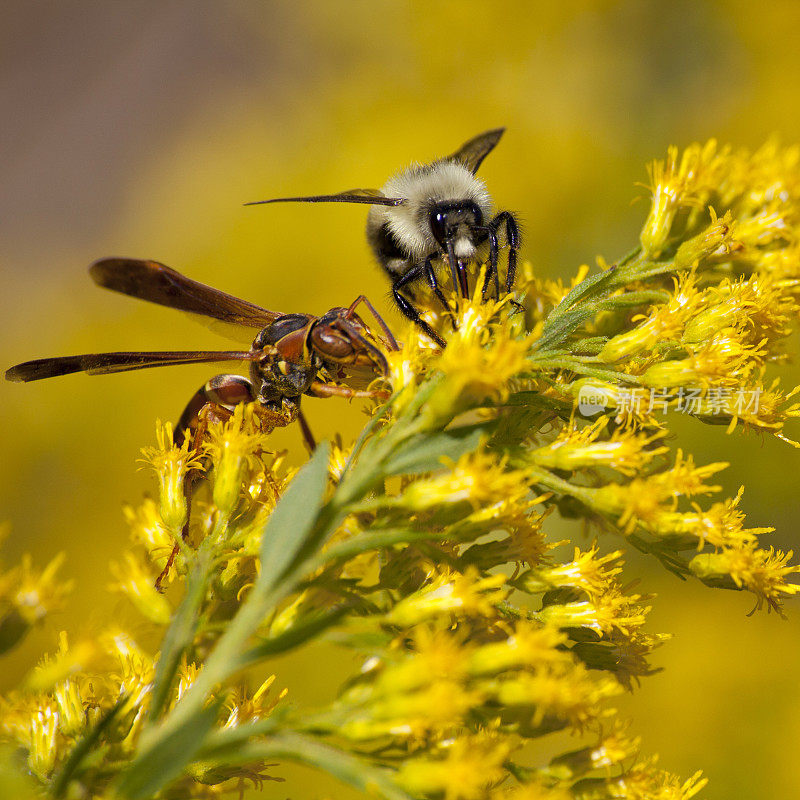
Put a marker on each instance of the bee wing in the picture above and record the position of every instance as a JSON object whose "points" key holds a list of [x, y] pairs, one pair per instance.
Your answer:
{"points": [[157, 283], [472, 153], [103, 363], [369, 196]]}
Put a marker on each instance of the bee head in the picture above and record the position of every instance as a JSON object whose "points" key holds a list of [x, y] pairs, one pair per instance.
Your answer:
{"points": [[454, 221]]}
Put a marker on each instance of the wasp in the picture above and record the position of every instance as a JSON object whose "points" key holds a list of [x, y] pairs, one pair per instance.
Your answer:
{"points": [[291, 355]]}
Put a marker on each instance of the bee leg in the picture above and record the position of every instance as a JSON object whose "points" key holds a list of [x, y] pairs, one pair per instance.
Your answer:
{"points": [[459, 271], [492, 271], [513, 237], [408, 309], [208, 404], [436, 289]]}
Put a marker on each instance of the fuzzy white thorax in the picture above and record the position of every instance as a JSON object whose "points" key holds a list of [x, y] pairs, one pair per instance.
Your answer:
{"points": [[421, 186]]}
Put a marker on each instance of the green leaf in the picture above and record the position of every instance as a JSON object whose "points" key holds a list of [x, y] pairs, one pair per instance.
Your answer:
{"points": [[181, 631], [424, 452], [306, 750], [633, 299], [294, 637], [167, 757], [82, 747], [292, 521]]}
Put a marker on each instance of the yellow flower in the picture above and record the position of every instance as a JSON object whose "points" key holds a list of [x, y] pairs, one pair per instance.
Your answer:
{"points": [[724, 360], [587, 571], [137, 583], [566, 691], [44, 750], [476, 478], [470, 765], [243, 707], [677, 184], [450, 592], [608, 612], [234, 447], [643, 780], [762, 572], [149, 530], [664, 322], [614, 749], [171, 464], [645, 500], [529, 646], [574, 447], [437, 654], [27, 596], [481, 358], [433, 710], [720, 525], [66, 663]]}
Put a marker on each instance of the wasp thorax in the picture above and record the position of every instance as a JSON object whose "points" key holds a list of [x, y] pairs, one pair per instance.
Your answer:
{"points": [[282, 327], [285, 367]]}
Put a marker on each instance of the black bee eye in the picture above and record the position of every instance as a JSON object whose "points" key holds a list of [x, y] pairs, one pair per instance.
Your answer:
{"points": [[438, 223], [446, 218]]}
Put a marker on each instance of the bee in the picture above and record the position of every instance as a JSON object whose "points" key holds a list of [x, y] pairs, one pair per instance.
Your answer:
{"points": [[437, 212]]}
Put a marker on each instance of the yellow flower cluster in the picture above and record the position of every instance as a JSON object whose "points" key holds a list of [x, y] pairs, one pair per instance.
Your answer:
{"points": [[425, 544]]}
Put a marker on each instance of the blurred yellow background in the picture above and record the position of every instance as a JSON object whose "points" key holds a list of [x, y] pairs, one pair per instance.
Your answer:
{"points": [[140, 128]]}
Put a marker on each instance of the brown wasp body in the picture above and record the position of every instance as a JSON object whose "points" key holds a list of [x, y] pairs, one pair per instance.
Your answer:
{"points": [[292, 355], [289, 355]]}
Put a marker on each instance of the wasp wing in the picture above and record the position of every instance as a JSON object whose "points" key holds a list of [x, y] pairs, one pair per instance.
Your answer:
{"points": [[157, 283], [472, 153], [368, 196], [103, 363]]}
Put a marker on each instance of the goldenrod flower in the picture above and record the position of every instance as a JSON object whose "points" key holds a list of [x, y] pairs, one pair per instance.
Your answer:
{"points": [[27, 596], [476, 478], [762, 572], [624, 450], [171, 464], [466, 769], [233, 446], [67, 661], [137, 583], [447, 592]]}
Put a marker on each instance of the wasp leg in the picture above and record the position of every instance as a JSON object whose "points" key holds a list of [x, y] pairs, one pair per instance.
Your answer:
{"points": [[391, 341], [407, 308], [321, 389], [308, 437], [513, 237], [221, 390], [208, 404]]}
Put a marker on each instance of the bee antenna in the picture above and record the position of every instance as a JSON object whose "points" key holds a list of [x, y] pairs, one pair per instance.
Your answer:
{"points": [[335, 198]]}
